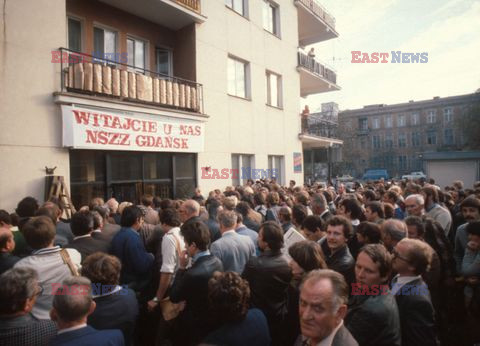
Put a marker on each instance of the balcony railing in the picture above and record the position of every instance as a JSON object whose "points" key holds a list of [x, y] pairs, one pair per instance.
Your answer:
{"points": [[317, 68], [319, 11], [86, 74], [322, 128], [193, 5]]}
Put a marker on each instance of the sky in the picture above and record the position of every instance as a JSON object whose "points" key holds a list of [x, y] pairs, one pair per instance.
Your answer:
{"points": [[448, 30]]}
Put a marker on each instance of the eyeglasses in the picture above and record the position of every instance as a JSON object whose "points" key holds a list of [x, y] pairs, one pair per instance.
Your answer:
{"points": [[397, 255], [39, 291]]}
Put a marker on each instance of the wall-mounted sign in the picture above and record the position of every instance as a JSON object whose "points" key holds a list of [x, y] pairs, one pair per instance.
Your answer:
{"points": [[85, 128], [297, 162]]}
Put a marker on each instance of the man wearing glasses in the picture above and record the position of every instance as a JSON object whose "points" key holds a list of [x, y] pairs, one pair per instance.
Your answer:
{"points": [[411, 259], [18, 293]]}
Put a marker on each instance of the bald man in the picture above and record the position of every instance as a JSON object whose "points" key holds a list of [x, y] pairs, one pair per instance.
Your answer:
{"points": [[7, 245]]}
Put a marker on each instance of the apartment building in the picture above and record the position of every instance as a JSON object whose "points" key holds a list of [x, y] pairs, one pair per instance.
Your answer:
{"points": [[124, 98], [397, 137]]}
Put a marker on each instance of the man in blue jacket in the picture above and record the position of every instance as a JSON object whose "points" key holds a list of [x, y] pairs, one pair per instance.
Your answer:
{"points": [[71, 306], [137, 263]]}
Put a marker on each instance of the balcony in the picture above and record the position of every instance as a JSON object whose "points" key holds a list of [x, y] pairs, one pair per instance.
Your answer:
{"points": [[108, 80], [315, 77], [315, 24], [173, 14], [319, 131]]}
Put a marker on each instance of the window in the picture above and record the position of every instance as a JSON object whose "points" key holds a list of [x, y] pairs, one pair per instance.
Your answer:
{"points": [[448, 137], [401, 121], [237, 77], [164, 61], [388, 121], [243, 164], [447, 115], [376, 142], [238, 6], [274, 89], [416, 139], [388, 141], [376, 123], [415, 118], [431, 138], [275, 165], [431, 117], [74, 35], [271, 17], [136, 51], [402, 162], [363, 124], [104, 43], [402, 140]]}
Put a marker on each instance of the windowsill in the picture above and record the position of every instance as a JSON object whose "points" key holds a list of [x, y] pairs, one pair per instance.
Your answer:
{"points": [[240, 97], [241, 15], [273, 34], [274, 107]]}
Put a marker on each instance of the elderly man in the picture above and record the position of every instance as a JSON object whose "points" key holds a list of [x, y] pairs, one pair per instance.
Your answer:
{"points": [[52, 263], [435, 210], [320, 207], [415, 204], [233, 249], [189, 211], [411, 259], [70, 312], [470, 208], [392, 232], [18, 292], [323, 306]]}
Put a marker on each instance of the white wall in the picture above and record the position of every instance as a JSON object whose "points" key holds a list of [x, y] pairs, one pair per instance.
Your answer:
{"points": [[30, 121], [248, 126]]}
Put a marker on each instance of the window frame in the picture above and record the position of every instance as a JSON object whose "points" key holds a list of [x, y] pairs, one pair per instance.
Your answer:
{"points": [[230, 4], [241, 180], [145, 53], [81, 20], [401, 120], [246, 69], [117, 40], [268, 74], [170, 60], [274, 8], [415, 118], [388, 121], [431, 117]]}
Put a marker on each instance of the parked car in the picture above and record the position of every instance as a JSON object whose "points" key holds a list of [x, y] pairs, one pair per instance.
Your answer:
{"points": [[345, 178], [414, 176], [375, 174]]}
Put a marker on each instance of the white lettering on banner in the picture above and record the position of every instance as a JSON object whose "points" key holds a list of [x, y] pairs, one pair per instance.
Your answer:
{"points": [[90, 129]]}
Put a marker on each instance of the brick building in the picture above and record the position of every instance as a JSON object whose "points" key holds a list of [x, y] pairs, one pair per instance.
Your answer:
{"points": [[395, 137]]}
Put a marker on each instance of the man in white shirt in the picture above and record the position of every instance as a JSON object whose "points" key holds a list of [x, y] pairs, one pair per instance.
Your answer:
{"points": [[322, 307], [173, 246]]}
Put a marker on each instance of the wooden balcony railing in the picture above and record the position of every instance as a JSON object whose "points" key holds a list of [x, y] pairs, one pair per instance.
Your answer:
{"points": [[193, 5], [87, 74]]}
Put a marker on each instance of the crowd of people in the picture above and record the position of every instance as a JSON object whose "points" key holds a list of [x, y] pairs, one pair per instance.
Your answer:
{"points": [[385, 263]]}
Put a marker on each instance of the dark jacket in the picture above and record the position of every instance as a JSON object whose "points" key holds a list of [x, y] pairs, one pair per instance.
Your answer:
{"points": [[375, 311], [252, 331], [26, 330], [88, 336], [214, 229], [192, 286], [7, 260], [108, 232], [341, 261], [269, 277], [88, 245], [116, 311], [136, 261], [341, 338], [416, 315]]}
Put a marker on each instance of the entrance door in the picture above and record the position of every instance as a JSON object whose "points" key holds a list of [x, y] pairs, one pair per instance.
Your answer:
{"points": [[129, 192]]}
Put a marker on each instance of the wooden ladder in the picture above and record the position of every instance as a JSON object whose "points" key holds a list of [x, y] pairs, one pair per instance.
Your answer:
{"points": [[55, 187]]}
